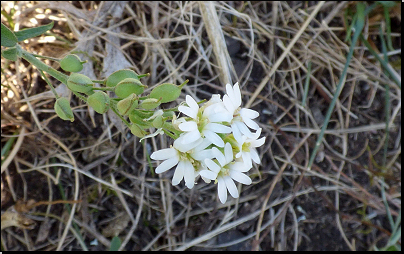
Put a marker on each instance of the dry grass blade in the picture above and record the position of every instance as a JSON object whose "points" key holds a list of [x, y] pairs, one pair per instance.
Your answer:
{"points": [[216, 38], [282, 57]]}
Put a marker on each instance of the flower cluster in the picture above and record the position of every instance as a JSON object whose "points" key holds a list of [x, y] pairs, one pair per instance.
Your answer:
{"points": [[215, 142]]}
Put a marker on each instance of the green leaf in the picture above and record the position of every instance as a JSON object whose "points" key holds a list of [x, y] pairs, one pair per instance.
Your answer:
{"points": [[8, 38], [10, 54], [33, 32], [115, 244]]}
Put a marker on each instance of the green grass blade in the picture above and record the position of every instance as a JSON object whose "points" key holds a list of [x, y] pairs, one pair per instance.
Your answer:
{"points": [[8, 145], [306, 85], [388, 28], [358, 30], [383, 63]]}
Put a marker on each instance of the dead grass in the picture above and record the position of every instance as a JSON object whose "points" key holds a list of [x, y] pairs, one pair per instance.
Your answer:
{"points": [[266, 47]]}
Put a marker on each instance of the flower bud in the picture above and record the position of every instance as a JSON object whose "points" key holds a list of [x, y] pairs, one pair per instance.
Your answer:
{"points": [[129, 86], [63, 109], [99, 101], [137, 131], [71, 63], [168, 92], [120, 75], [126, 105], [79, 83], [150, 103]]}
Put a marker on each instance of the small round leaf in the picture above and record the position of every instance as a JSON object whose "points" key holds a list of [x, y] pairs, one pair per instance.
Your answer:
{"points": [[71, 63], [120, 75], [99, 101], [63, 109], [79, 83]]}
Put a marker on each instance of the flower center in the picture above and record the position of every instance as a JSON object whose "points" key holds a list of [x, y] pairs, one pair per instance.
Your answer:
{"points": [[185, 156], [201, 121], [224, 171], [236, 116], [246, 147]]}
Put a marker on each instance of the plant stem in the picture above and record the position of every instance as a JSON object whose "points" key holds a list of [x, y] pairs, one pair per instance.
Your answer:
{"points": [[143, 75], [50, 84], [46, 57], [99, 81], [104, 88], [113, 107], [43, 67]]}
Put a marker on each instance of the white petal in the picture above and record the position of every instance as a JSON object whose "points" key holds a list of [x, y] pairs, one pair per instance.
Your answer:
{"points": [[221, 190], [247, 159], [243, 129], [179, 173], [248, 113], [202, 155], [223, 116], [188, 126], [208, 174], [189, 174], [191, 103], [250, 123], [188, 111], [231, 95], [219, 156], [214, 99], [212, 165], [163, 154], [237, 133], [254, 156], [166, 165], [228, 153], [240, 177], [214, 138], [191, 137], [239, 166], [257, 133], [216, 152], [218, 128], [231, 186], [186, 147], [210, 110], [206, 179], [237, 95], [205, 143], [227, 103], [258, 142]]}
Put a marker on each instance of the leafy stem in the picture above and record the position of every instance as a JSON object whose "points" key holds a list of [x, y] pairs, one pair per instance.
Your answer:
{"points": [[43, 67]]}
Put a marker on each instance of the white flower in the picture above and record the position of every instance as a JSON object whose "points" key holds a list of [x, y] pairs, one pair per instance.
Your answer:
{"points": [[247, 150], [216, 111], [242, 117], [188, 158], [225, 172], [177, 155], [200, 125]]}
